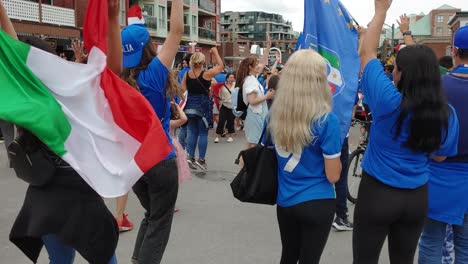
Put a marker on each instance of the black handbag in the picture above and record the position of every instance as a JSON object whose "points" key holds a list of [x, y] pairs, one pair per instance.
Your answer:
{"points": [[30, 160], [257, 181]]}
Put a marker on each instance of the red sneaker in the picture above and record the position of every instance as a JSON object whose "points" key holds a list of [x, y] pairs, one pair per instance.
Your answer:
{"points": [[125, 224]]}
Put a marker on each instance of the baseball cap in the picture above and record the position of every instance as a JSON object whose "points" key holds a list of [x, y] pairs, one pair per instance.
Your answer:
{"points": [[134, 39], [461, 38]]}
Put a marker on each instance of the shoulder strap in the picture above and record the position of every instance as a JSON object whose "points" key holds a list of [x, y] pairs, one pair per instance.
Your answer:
{"points": [[227, 89], [207, 90]]}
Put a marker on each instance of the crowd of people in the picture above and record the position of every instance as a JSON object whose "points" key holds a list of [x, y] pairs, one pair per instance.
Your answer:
{"points": [[415, 169]]}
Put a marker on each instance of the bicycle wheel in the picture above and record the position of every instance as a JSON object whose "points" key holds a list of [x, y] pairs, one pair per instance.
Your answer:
{"points": [[354, 174]]}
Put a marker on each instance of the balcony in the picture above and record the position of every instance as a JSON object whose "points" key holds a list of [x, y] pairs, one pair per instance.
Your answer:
{"points": [[29, 11], [207, 34], [245, 21], [187, 30], [207, 5], [162, 23], [151, 22]]}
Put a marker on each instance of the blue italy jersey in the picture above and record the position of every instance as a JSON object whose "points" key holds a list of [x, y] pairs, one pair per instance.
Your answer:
{"points": [[448, 183], [301, 177], [386, 157], [152, 82]]}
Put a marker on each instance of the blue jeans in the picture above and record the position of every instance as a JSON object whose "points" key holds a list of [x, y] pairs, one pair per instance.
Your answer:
{"points": [[197, 134], [182, 136], [60, 253], [432, 242], [341, 186]]}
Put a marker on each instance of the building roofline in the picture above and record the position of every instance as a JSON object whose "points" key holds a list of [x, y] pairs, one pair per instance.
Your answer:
{"points": [[457, 14]]}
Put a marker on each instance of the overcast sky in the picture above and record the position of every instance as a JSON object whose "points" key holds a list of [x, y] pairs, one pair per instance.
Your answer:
{"points": [[361, 10]]}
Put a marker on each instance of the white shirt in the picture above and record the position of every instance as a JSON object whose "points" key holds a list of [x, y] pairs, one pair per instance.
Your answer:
{"points": [[252, 85]]}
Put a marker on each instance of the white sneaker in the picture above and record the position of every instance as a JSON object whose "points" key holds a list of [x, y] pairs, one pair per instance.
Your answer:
{"points": [[216, 140], [230, 140]]}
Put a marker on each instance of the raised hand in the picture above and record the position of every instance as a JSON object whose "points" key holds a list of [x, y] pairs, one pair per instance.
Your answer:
{"points": [[78, 50], [382, 5], [404, 23]]}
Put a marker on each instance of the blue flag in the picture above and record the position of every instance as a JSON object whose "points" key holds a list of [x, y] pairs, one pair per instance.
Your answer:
{"points": [[329, 29]]}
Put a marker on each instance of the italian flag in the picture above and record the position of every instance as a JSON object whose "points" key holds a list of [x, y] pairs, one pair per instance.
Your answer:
{"points": [[105, 129]]}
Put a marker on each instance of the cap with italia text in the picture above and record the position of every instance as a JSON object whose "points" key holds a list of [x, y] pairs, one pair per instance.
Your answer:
{"points": [[134, 39], [460, 40]]}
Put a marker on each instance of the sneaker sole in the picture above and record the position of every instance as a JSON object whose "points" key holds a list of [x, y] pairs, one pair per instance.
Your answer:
{"points": [[342, 228], [191, 165], [125, 229], [200, 166]]}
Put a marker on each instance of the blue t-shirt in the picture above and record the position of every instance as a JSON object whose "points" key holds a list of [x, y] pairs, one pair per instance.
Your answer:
{"points": [[220, 78], [386, 158], [152, 82], [448, 184], [301, 177], [182, 73]]}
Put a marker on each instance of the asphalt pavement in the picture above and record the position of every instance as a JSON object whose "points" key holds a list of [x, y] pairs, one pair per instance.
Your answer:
{"points": [[212, 227]]}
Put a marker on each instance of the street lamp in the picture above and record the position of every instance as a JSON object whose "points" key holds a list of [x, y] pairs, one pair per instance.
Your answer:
{"points": [[393, 35]]}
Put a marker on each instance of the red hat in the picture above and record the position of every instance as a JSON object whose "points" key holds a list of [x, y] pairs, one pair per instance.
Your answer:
{"points": [[135, 15]]}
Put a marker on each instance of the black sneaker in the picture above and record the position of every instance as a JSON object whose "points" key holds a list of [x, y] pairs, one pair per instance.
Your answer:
{"points": [[342, 224], [191, 163]]}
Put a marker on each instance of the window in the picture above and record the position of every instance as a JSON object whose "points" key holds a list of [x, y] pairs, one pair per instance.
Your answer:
{"points": [[162, 16], [185, 19], [440, 19], [251, 36], [148, 9], [209, 24], [439, 31], [123, 13], [194, 25]]}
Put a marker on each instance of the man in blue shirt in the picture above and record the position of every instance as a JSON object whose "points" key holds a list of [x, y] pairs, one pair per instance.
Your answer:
{"points": [[185, 67], [448, 182]]}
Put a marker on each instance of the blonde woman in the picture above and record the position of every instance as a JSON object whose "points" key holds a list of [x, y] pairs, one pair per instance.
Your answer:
{"points": [[199, 107], [306, 136]]}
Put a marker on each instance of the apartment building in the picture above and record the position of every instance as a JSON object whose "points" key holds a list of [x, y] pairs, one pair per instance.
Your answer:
{"points": [[201, 23], [253, 26], [61, 21], [56, 21]]}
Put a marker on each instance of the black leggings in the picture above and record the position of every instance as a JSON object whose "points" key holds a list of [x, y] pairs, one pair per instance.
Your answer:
{"points": [[226, 117], [304, 230], [383, 210]]}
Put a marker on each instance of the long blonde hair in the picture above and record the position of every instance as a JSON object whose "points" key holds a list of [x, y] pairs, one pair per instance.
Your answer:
{"points": [[303, 98]]}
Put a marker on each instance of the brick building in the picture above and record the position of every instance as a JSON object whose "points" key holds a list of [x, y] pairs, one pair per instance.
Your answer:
{"points": [[460, 19], [433, 29], [55, 21]]}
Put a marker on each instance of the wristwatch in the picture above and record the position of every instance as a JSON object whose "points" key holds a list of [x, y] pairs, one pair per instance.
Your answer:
{"points": [[407, 33]]}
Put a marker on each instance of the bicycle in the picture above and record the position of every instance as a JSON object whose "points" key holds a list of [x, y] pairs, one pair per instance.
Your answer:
{"points": [[355, 158]]}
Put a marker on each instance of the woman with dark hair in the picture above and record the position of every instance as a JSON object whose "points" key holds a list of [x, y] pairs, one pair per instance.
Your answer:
{"points": [[148, 72], [66, 215], [272, 85], [412, 120], [254, 97], [226, 117]]}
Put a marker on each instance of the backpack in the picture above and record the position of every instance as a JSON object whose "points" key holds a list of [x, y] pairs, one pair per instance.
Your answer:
{"points": [[239, 108]]}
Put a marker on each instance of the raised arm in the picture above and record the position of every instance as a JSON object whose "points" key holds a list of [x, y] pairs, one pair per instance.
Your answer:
{"points": [[171, 45], [371, 39], [182, 117], [264, 60], [5, 22], [114, 42], [211, 73], [404, 27]]}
